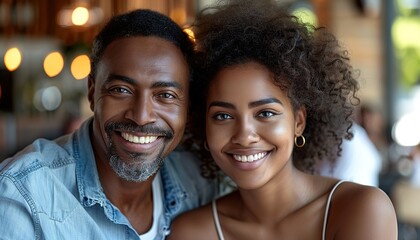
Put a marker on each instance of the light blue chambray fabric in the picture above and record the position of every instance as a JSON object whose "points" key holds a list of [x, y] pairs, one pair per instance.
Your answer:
{"points": [[51, 190]]}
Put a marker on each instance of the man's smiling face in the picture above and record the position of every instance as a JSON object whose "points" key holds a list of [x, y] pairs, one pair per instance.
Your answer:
{"points": [[139, 98]]}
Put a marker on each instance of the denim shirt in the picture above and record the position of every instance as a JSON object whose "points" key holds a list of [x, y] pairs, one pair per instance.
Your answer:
{"points": [[51, 190]]}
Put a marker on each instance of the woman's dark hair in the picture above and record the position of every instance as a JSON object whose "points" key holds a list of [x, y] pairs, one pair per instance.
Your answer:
{"points": [[306, 62]]}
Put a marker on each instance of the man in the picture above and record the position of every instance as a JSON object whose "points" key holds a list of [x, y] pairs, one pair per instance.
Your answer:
{"points": [[102, 182]]}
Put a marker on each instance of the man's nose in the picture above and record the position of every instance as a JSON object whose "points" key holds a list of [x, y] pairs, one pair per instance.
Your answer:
{"points": [[142, 110]]}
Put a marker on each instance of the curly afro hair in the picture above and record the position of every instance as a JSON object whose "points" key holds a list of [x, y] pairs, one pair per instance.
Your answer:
{"points": [[307, 63]]}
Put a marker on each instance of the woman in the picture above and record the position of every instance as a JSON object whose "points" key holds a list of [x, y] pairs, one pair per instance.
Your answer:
{"points": [[275, 96]]}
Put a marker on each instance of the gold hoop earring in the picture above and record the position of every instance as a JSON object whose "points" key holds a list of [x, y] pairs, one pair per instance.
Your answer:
{"points": [[206, 146], [303, 141]]}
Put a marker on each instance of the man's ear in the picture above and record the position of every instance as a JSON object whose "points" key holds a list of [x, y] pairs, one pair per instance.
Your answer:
{"points": [[91, 91], [300, 120]]}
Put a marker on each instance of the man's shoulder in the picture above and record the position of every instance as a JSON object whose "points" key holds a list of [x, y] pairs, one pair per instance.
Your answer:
{"points": [[183, 155], [42, 172], [183, 162], [40, 154]]}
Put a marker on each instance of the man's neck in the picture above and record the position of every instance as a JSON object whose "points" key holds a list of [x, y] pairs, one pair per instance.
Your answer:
{"points": [[133, 199]]}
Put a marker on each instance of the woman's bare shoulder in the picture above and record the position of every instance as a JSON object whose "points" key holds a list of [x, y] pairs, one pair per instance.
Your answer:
{"points": [[361, 212], [194, 224]]}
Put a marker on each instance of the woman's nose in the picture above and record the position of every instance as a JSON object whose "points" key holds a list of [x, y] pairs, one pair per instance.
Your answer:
{"points": [[245, 133]]}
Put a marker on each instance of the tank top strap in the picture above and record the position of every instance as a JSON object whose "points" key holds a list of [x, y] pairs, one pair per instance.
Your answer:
{"points": [[327, 208], [216, 220]]}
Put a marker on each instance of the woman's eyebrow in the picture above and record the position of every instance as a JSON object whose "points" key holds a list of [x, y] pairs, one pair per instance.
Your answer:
{"points": [[250, 105], [264, 101]]}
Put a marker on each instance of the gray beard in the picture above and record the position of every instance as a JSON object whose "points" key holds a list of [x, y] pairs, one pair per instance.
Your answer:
{"points": [[136, 170]]}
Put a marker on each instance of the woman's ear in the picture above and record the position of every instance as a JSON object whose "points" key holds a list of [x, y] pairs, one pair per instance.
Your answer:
{"points": [[300, 120]]}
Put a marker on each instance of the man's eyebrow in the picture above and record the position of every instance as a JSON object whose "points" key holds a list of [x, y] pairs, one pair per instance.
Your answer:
{"points": [[221, 104], [163, 84], [113, 77], [264, 101], [128, 80]]}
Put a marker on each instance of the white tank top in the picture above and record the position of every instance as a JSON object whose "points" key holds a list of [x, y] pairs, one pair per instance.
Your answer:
{"points": [[157, 209], [324, 226]]}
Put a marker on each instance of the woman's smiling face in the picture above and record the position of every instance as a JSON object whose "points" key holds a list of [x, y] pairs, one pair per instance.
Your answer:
{"points": [[250, 124]]}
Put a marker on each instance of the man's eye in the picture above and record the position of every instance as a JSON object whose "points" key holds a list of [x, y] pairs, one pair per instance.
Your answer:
{"points": [[222, 116], [167, 95], [118, 90]]}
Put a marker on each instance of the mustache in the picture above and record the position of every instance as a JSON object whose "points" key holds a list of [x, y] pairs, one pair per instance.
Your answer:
{"points": [[131, 127]]}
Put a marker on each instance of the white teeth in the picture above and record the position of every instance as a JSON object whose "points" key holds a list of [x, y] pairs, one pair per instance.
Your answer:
{"points": [[249, 158], [137, 139]]}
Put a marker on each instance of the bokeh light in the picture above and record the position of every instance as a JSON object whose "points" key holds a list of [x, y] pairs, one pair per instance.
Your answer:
{"points": [[53, 64], [406, 32], [80, 67], [80, 16], [306, 15], [12, 59], [47, 99], [406, 131]]}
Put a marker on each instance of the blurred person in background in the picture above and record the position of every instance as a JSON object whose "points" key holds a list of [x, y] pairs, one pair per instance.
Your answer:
{"points": [[372, 120], [359, 161], [117, 176]]}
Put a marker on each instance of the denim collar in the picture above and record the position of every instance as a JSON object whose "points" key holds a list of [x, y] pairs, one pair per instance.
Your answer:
{"points": [[89, 185], [87, 177]]}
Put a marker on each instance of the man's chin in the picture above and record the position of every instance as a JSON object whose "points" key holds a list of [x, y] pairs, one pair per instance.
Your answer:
{"points": [[135, 172]]}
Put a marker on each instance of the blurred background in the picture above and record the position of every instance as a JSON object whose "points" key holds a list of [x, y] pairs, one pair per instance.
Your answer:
{"points": [[45, 46]]}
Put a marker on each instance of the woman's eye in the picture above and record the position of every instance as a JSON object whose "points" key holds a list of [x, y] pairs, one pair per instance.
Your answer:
{"points": [[266, 114], [222, 116]]}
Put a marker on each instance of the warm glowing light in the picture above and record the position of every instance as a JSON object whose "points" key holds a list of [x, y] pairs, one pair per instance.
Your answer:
{"points": [[69, 17], [12, 59], [190, 33], [80, 67], [53, 64], [406, 131], [80, 16]]}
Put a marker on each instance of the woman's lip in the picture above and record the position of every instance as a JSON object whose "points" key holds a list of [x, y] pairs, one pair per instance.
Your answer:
{"points": [[250, 157], [249, 164]]}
